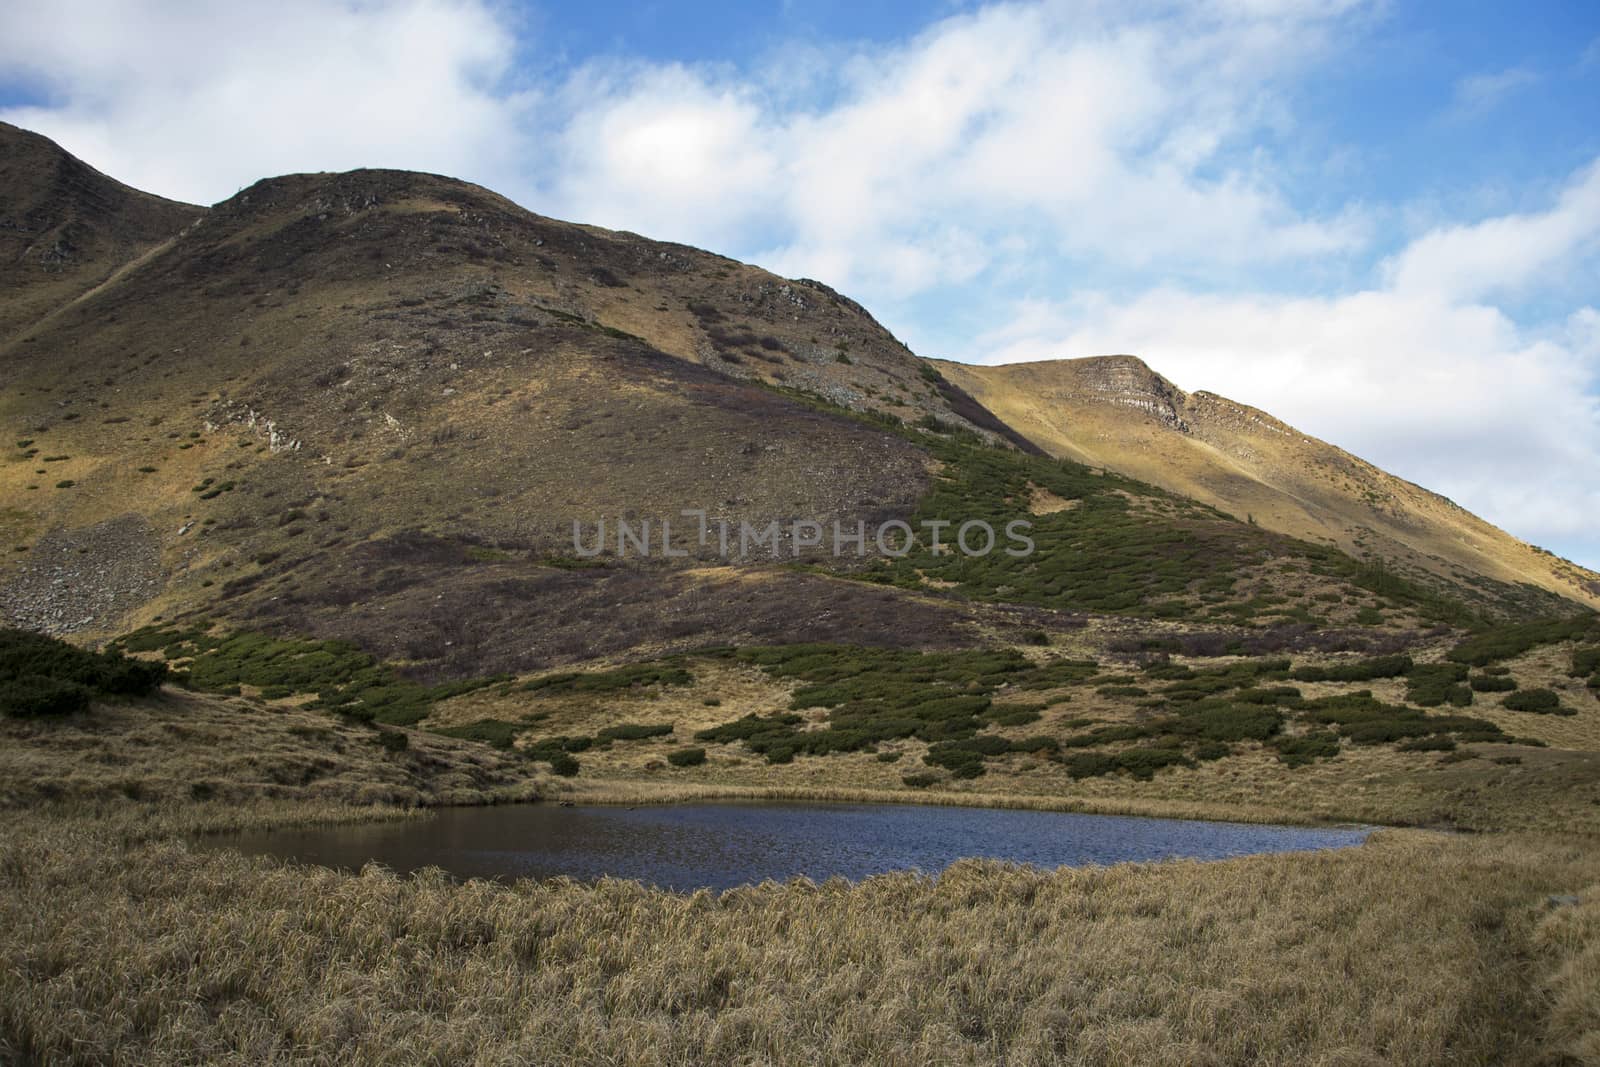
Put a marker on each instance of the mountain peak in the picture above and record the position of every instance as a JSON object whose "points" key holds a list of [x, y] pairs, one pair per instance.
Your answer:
{"points": [[1123, 381], [65, 227], [1118, 413]]}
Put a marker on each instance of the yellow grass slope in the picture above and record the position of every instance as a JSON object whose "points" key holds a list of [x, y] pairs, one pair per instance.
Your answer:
{"points": [[1115, 412]]}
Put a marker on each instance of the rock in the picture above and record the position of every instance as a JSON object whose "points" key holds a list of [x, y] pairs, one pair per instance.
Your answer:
{"points": [[75, 577]]}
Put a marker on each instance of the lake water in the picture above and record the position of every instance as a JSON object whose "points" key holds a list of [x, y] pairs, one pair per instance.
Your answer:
{"points": [[724, 844]]}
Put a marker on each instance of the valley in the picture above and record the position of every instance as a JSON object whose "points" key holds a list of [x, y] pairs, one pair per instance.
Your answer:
{"points": [[287, 496]]}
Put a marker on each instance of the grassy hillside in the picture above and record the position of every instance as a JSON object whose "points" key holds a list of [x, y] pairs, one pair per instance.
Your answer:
{"points": [[370, 405], [1114, 412], [296, 476], [65, 228]]}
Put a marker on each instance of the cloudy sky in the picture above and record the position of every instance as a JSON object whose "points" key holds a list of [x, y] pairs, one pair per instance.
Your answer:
{"points": [[1377, 220]]}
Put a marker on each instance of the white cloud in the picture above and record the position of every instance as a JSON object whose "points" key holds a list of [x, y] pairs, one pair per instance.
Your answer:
{"points": [[1481, 92], [195, 99], [653, 148], [1502, 254], [1121, 132], [1123, 138], [1421, 375]]}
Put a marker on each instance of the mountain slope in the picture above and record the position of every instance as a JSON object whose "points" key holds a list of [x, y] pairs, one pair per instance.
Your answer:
{"points": [[1115, 412], [371, 405], [377, 401], [65, 227]]}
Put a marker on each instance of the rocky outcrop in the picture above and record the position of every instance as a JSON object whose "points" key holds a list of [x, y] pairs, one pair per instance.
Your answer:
{"points": [[1128, 382], [86, 578]]}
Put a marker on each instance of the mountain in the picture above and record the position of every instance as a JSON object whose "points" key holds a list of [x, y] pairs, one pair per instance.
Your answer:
{"points": [[375, 402], [371, 406], [1117, 413], [65, 227]]}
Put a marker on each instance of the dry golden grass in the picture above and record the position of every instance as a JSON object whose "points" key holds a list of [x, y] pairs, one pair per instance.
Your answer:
{"points": [[1416, 948], [1546, 667], [1247, 463], [1568, 939], [122, 944], [228, 752]]}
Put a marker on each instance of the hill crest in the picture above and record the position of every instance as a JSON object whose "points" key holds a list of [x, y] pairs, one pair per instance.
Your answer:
{"points": [[342, 400], [1118, 413]]}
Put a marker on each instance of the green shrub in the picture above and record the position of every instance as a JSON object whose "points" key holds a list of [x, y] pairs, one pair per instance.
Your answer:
{"points": [[960, 761], [1224, 722], [1306, 748], [921, 780], [33, 695], [1143, 763], [393, 740], [1432, 684], [686, 757], [43, 675], [1585, 660], [1090, 764], [1537, 701], [1058, 674], [1197, 685], [1492, 683], [496, 732], [1506, 642], [1433, 743], [876, 695], [345, 679], [611, 681], [1104, 735], [635, 731], [1363, 670], [1276, 694], [1012, 714]]}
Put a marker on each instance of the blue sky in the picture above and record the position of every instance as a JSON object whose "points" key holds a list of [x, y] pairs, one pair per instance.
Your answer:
{"points": [[1378, 220]]}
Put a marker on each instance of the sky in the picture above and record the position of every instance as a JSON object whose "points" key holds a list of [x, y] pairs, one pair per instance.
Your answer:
{"points": [[1378, 220]]}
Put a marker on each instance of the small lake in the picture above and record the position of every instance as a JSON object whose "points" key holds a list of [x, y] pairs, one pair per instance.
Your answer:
{"points": [[725, 844]]}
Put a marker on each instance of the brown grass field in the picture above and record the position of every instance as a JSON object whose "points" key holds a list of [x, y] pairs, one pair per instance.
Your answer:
{"points": [[126, 945], [123, 943]]}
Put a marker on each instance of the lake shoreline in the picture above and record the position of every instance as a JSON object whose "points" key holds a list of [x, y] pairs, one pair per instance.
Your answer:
{"points": [[724, 844]]}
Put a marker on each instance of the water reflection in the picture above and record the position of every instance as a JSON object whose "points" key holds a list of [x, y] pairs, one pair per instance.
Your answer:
{"points": [[725, 844]]}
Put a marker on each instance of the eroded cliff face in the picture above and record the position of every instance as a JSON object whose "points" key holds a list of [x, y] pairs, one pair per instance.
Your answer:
{"points": [[1118, 413], [1125, 381]]}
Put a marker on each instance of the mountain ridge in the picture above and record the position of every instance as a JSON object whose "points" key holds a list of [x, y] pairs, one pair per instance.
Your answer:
{"points": [[66, 227], [342, 400], [1255, 466]]}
